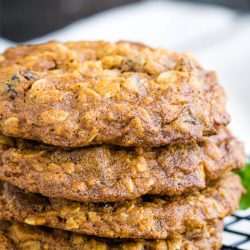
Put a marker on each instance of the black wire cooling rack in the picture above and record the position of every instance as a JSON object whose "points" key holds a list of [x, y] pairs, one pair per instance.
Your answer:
{"points": [[236, 234]]}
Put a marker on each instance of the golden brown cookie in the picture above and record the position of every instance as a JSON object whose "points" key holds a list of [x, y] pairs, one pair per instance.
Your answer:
{"points": [[25, 237], [147, 217], [5, 243], [87, 93], [108, 173]]}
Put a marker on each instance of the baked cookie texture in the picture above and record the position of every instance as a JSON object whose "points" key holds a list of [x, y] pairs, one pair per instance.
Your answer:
{"points": [[147, 217], [87, 93], [24, 237], [113, 146], [108, 173]]}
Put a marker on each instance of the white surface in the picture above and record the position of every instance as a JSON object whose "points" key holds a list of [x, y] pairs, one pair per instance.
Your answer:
{"points": [[219, 38], [230, 238], [241, 227], [5, 44], [245, 246], [229, 219], [243, 213], [158, 23]]}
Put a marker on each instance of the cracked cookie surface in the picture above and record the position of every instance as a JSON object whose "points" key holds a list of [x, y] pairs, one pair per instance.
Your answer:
{"points": [[147, 217], [108, 173], [87, 93]]}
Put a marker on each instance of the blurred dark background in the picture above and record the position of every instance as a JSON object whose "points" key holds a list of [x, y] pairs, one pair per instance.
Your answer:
{"points": [[21, 20]]}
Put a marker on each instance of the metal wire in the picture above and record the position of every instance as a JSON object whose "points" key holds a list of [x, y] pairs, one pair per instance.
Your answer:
{"points": [[236, 245]]}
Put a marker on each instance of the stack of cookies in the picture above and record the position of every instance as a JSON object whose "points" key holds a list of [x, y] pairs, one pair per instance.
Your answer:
{"points": [[113, 146]]}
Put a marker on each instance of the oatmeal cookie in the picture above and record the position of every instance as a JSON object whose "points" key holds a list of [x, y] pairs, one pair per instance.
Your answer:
{"points": [[108, 173], [146, 217], [26, 237], [87, 93]]}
